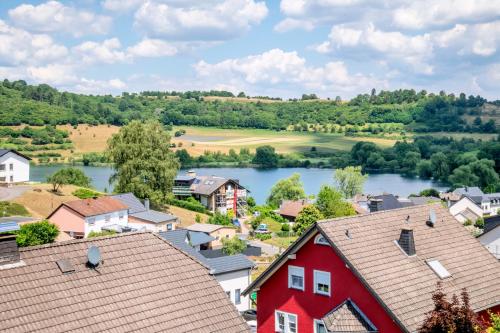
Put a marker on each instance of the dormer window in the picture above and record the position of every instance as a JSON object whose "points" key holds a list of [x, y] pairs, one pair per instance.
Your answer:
{"points": [[320, 239]]}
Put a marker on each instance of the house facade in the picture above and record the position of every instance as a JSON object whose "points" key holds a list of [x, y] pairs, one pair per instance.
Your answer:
{"points": [[489, 202], [375, 273], [14, 167], [466, 210], [80, 217], [217, 194]]}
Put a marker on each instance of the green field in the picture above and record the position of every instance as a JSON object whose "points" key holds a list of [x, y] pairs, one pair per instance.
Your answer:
{"points": [[200, 139]]}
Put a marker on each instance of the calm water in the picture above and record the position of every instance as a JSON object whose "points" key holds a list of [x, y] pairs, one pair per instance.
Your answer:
{"points": [[259, 181]]}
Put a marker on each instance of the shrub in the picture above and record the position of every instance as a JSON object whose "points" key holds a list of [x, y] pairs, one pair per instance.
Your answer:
{"points": [[101, 233], [285, 227], [263, 237], [233, 246], [85, 193], [12, 209], [220, 219], [479, 223], [37, 233]]}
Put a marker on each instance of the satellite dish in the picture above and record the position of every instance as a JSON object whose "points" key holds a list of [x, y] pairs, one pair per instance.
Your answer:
{"points": [[94, 256]]}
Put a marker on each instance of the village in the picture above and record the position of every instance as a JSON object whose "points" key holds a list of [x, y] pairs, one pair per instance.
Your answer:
{"points": [[215, 261]]}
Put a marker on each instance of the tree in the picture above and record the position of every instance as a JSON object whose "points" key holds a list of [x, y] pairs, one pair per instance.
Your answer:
{"points": [[495, 323], [424, 169], [37, 233], [439, 166], [331, 204], [307, 217], [430, 192], [233, 245], [221, 219], [350, 180], [66, 176], [463, 176], [286, 189], [450, 317], [142, 160], [266, 157]]}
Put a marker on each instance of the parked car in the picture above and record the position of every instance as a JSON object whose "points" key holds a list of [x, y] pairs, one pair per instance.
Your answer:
{"points": [[262, 229], [250, 314], [236, 223]]}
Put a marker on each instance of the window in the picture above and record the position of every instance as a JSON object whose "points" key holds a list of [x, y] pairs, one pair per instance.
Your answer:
{"points": [[2, 167], [169, 226], [322, 283], [438, 268], [2, 179], [107, 218], [237, 296], [11, 167], [320, 240], [91, 220], [296, 277], [11, 179], [228, 293], [285, 322], [121, 215], [319, 326]]}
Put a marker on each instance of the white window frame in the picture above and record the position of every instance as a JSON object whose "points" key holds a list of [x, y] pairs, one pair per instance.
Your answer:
{"points": [[3, 167], [316, 322], [107, 217], [91, 220], [320, 239], [286, 323], [317, 275], [121, 215], [297, 271], [11, 166], [237, 296], [169, 226]]}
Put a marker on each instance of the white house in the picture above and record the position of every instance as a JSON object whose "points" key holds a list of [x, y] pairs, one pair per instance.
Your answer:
{"points": [[489, 202], [466, 209], [490, 238], [14, 167]]}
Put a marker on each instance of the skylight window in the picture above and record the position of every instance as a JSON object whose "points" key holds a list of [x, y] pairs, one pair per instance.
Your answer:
{"points": [[438, 268]]}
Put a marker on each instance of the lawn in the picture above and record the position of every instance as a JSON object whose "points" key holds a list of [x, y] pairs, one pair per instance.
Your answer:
{"points": [[186, 217], [200, 139], [282, 242]]}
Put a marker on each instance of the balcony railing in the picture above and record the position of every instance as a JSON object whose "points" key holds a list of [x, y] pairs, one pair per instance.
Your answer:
{"points": [[181, 190]]}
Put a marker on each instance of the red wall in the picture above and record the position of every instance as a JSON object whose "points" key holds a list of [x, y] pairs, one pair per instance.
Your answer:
{"points": [[274, 294]]}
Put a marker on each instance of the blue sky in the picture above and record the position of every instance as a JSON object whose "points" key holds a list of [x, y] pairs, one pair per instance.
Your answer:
{"points": [[276, 48]]}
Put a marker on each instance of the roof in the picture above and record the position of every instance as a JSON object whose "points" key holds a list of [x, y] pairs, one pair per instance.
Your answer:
{"points": [[133, 203], [473, 192], [404, 285], [154, 216], [347, 317], [469, 215], [218, 265], [5, 151], [206, 227], [206, 185], [491, 223], [92, 207], [422, 200], [143, 283], [198, 238], [184, 178], [389, 201], [292, 207]]}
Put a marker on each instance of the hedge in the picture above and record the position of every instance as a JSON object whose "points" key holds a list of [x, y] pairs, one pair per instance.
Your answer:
{"points": [[188, 205]]}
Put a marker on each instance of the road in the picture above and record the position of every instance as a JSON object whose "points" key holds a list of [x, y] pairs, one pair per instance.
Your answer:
{"points": [[10, 193]]}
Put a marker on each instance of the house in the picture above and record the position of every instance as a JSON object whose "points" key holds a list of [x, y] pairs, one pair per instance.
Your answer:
{"points": [[217, 194], [290, 209], [14, 167], [126, 282], [489, 202], [141, 217], [374, 273], [466, 210], [217, 231], [490, 237], [232, 272], [382, 202], [79, 217]]}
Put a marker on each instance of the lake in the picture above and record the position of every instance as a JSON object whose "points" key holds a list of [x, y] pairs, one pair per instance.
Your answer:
{"points": [[259, 181]]}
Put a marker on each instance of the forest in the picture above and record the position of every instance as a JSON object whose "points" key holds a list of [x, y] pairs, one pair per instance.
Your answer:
{"points": [[22, 103]]}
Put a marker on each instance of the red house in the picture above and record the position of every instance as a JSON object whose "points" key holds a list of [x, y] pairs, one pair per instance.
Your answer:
{"points": [[374, 273]]}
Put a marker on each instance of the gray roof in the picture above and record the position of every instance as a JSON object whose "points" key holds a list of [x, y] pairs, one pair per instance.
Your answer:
{"points": [[17, 219], [473, 191], [184, 178], [206, 227], [491, 223], [154, 216], [198, 238], [208, 184], [5, 151], [216, 265], [8, 226], [423, 200], [135, 205], [347, 317], [389, 201]]}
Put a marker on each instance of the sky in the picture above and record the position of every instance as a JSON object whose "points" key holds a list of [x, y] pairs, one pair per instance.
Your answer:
{"points": [[280, 48]]}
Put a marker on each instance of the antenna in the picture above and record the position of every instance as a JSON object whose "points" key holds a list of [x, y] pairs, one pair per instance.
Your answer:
{"points": [[432, 218], [93, 256]]}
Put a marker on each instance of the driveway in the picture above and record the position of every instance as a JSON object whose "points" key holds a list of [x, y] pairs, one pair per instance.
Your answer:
{"points": [[10, 193], [267, 249]]}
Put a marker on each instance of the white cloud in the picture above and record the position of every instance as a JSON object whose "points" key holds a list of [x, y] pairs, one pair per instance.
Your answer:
{"points": [[293, 24], [280, 68], [121, 5], [206, 20], [109, 52], [53, 16], [152, 48], [431, 13]]}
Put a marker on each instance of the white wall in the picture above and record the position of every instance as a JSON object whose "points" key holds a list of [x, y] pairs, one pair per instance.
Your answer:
{"points": [[100, 221], [236, 280], [491, 240], [462, 205], [21, 168]]}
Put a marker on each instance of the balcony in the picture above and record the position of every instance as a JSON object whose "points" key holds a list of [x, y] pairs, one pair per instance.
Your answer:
{"points": [[181, 190]]}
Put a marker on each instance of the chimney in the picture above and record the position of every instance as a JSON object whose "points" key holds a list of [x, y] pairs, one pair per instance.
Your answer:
{"points": [[9, 252], [407, 242], [191, 173], [375, 205], [146, 203]]}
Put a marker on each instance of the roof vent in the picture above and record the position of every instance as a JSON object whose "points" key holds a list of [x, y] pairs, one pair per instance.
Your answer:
{"points": [[93, 256], [431, 221], [65, 266], [438, 268], [407, 242], [347, 233]]}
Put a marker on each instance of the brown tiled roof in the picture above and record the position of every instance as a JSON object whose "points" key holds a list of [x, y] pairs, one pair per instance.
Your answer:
{"points": [[292, 207], [143, 284], [346, 318], [405, 284], [91, 207]]}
